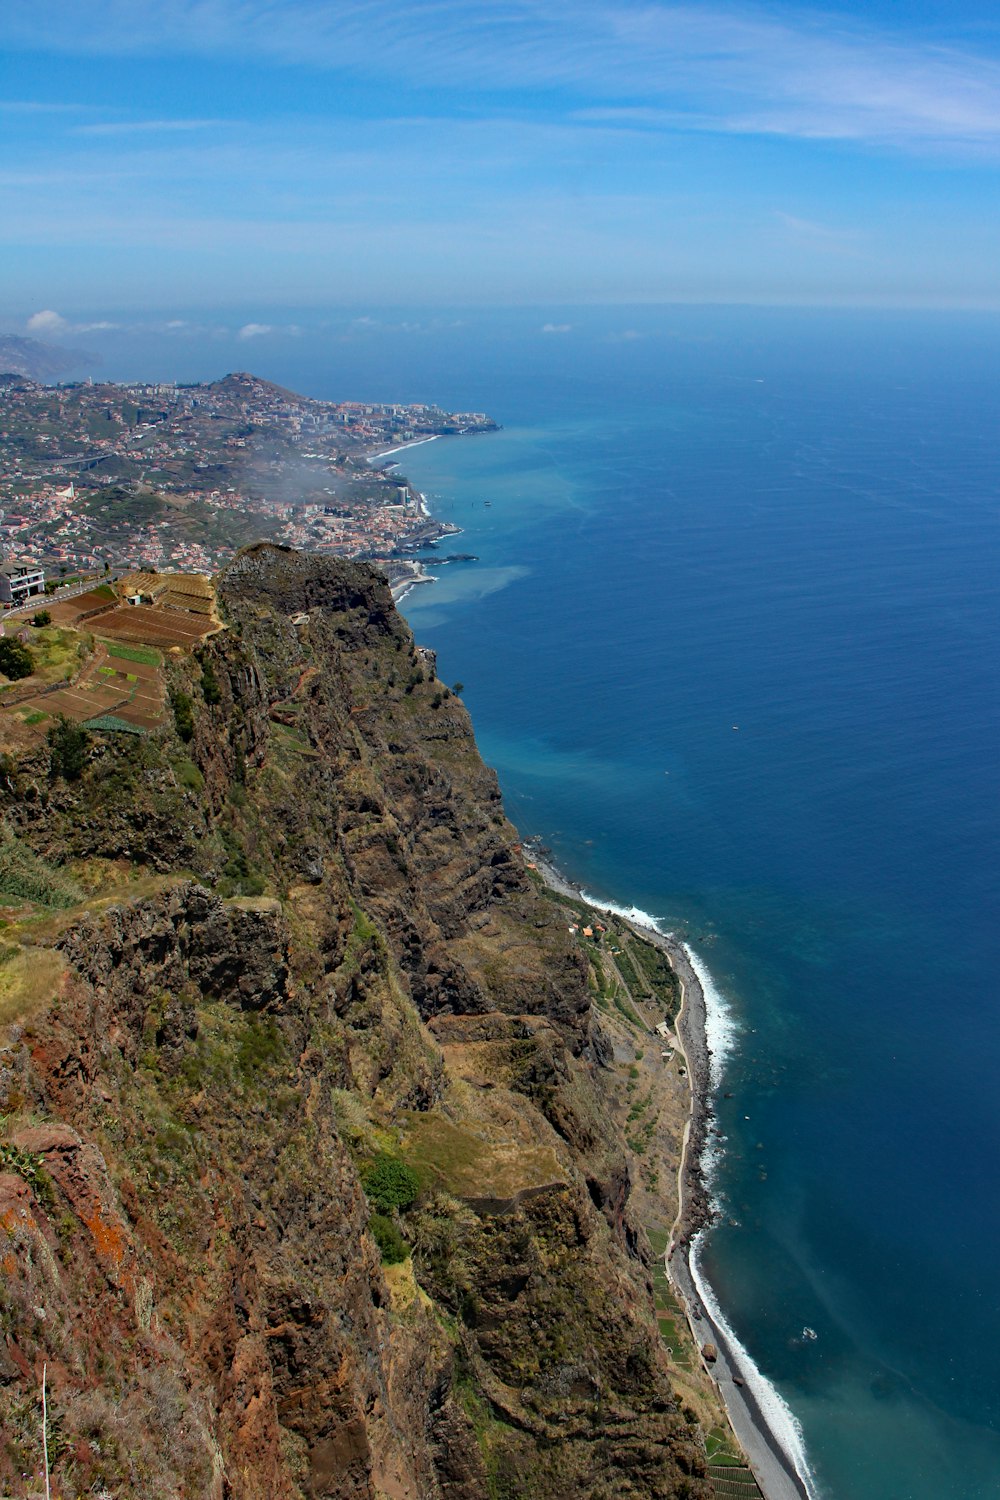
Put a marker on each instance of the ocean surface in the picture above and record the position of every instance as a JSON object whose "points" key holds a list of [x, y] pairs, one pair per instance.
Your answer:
{"points": [[731, 643]]}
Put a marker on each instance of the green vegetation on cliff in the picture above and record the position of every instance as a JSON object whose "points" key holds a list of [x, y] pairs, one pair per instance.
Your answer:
{"points": [[334, 1136]]}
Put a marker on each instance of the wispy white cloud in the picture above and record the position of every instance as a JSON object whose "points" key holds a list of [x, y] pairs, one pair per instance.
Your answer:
{"points": [[534, 155], [39, 107], [733, 68], [369, 325], [811, 229], [148, 127], [820, 239], [557, 328], [47, 322]]}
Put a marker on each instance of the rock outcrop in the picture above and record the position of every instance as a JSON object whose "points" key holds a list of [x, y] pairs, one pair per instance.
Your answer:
{"points": [[307, 1184]]}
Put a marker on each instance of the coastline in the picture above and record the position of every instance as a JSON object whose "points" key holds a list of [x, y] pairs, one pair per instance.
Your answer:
{"points": [[373, 458], [756, 1411], [406, 586], [431, 531]]}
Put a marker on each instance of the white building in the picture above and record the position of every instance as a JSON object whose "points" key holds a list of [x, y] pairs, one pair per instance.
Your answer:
{"points": [[20, 579]]}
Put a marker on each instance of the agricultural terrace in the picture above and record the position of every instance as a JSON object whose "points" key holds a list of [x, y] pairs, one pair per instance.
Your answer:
{"points": [[99, 660]]}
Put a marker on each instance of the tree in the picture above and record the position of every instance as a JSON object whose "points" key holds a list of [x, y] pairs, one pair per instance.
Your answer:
{"points": [[183, 714], [392, 1247], [390, 1183], [67, 749], [16, 661], [211, 691], [41, 618]]}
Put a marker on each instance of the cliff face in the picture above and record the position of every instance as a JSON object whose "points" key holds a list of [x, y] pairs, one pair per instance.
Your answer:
{"points": [[307, 1182]]}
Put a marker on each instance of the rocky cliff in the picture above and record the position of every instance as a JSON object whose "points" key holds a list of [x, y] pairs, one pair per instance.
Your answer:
{"points": [[309, 1183]]}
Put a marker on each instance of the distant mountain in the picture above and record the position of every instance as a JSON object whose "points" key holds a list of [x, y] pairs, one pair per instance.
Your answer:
{"points": [[20, 356]]}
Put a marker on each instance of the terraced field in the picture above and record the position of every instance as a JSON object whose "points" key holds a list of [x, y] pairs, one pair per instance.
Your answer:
{"points": [[122, 682], [734, 1482], [133, 691], [71, 611], [158, 627]]}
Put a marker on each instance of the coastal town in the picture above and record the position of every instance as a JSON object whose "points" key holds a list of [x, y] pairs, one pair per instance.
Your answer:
{"points": [[95, 478]]}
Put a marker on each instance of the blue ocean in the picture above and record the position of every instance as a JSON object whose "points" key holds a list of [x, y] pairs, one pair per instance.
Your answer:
{"points": [[731, 642]]}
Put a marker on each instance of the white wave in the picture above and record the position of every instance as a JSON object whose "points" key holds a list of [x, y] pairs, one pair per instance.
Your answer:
{"points": [[373, 458], [630, 913], [721, 1032], [721, 1027], [781, 1422]]}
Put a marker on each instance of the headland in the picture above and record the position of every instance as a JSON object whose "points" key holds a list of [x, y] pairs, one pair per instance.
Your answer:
{"points": [[157, 475], [349, 1179]]}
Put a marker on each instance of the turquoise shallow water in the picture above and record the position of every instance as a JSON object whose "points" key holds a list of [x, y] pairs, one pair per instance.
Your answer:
{"points": [[807, 552]]}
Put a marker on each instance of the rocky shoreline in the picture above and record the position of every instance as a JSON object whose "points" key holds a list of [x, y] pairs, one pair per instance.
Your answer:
{"points": [[695, 1209], [773, 1469]]}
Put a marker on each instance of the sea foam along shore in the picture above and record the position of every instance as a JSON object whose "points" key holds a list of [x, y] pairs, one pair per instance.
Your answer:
{"points": [[762, 1420], [414, 578], [373, 458]]}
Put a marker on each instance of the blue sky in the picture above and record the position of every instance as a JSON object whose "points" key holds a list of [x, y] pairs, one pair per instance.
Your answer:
{"points": [[194, 153]]}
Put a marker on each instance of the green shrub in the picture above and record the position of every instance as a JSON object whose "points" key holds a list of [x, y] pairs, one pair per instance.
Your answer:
{"points": [[183, 714], [211, 691], [67, 749], [23, 874], [392, 1247], [238, 879], [391, 1184], [31, 1168], [16, 661], [261, 1046], [188, 775], [41, 618]]}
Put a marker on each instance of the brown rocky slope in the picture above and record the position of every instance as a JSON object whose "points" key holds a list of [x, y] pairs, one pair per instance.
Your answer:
{"points": [[247, 967]]}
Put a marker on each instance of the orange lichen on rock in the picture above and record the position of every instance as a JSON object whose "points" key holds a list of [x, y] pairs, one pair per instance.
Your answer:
{"points": [[109, 1239]]}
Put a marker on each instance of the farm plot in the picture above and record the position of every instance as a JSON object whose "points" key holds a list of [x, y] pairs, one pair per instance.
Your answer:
{"points": [[95, 691], [133, 691], [155, 627], [69, 611], [190, 591], [136, 670]]}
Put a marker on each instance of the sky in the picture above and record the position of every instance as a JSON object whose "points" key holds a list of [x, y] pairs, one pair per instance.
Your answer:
{"points": [[441, 153]]}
